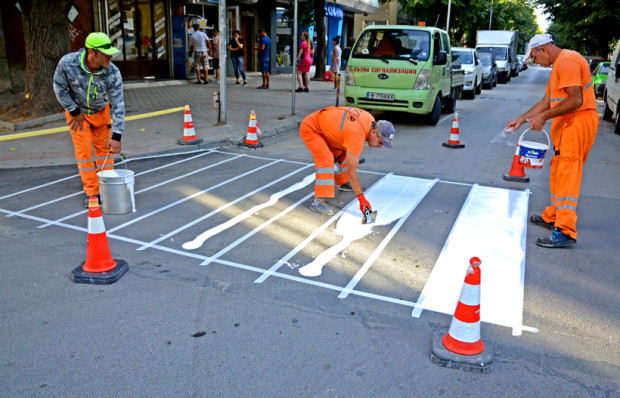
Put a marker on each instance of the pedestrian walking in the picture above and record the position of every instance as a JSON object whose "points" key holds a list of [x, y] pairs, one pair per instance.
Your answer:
{"points": [[198, 45], [336, 136], [304, 58], [215, 53], [264, 51], [236, 55], [87, 84], [336, 57], [570, 101]]}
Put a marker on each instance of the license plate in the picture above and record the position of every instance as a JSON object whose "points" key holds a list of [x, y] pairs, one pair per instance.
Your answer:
{"points": [[380, 96]]}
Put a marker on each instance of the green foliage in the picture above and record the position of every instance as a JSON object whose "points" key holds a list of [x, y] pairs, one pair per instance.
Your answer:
{"points": [[589, 26], [305, 14]]}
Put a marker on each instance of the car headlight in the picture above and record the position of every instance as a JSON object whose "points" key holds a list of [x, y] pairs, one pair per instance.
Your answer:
{"points": [[501, 69], [469, 73], [486, 73], [349, 80], [423, 82]]}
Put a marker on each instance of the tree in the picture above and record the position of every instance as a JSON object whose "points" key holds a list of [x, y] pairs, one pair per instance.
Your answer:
{"points": [[588, 26], [46, 35], [321, 43]]}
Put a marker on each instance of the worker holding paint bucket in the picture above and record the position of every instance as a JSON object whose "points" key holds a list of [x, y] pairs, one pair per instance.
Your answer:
{"points": [[88, 85], [336, 137], [570, 101]]}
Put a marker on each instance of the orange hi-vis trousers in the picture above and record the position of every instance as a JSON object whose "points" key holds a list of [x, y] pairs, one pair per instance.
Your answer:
{"points": [[324, 156], [91, 148], [572, 143]]}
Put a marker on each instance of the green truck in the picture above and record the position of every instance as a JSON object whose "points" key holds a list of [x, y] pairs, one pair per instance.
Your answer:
{"points": [[403, 68]]}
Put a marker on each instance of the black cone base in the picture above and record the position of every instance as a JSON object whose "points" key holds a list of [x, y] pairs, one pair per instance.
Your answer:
{"points": [[508, 177], [480, 363], [78, 275]]}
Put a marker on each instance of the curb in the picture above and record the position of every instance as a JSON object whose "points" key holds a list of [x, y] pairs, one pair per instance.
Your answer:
{"points": [[31, 123]]}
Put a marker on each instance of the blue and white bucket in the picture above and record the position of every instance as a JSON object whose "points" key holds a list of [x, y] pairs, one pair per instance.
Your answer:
{"points": [[532, 153]]}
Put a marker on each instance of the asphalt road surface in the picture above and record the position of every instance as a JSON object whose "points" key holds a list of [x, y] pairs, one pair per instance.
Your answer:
{"points": [[234, 316]]}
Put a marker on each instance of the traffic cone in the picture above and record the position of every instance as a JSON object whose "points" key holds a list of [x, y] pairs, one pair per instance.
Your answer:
{"points": [[517, 171], [251, 140], [258, 132], [189, 134], [99, 268], [454, 142], [462, 347]]}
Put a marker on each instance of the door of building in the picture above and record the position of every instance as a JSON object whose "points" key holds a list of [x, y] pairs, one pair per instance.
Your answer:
{"points": [[138, 29]]}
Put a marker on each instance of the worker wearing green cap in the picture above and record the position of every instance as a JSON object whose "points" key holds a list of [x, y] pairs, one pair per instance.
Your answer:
{"points": [[89, 86]]}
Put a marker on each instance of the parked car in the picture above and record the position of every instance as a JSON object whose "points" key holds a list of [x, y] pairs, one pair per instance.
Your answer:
{"points": [[470, 62], [489, 72], [522, 61], [599, 78], [611, 96]]}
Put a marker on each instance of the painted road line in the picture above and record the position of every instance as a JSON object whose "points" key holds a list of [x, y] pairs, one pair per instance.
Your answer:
{"points": [[301, 245], [491, 225], [200, 219], [412, 194], [256, 230], [40, 186], [82, 192], [55, 130], [185, 199], [273, 199]]}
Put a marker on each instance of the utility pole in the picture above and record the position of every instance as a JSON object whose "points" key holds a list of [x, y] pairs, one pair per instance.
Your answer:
{"points": [[491, 15], [448, 22]]}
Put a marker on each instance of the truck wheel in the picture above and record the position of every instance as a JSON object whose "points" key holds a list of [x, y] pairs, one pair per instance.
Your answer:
{"points": [[433, 117], [479, 88], [607, 113], [450, 105], [617, 128]]}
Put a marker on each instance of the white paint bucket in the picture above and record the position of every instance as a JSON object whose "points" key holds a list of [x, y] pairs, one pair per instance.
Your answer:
{"points": [[532, 153], [117, 191]]}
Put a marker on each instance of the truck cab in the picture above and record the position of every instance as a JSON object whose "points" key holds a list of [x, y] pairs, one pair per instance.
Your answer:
{"points": [[503, 45], [402, 68]]}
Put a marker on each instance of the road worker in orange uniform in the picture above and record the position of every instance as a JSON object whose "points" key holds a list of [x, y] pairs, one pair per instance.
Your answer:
{"points": [[90, 88], [336, 137], [571, 102]]}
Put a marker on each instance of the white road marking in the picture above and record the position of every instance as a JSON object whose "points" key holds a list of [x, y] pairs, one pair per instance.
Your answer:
{"points": [[492, 225]]}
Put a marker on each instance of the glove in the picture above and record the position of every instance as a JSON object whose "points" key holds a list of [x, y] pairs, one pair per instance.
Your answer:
{"points": [[363, 203]]}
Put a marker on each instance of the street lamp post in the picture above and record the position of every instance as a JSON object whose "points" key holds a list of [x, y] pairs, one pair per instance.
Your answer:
{"points": [[491, 15]]}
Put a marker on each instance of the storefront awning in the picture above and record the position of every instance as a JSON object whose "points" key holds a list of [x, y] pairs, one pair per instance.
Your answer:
{"points": [[359, 6]]}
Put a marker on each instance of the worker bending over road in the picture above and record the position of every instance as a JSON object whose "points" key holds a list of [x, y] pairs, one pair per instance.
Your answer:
{"points": [[336, 137]]}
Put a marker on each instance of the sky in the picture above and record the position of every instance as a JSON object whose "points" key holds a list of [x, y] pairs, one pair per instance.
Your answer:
{"points": [[540, 19]]}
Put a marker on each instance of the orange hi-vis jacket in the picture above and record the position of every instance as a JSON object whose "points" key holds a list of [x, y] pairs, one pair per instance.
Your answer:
{"points": [[329, 134], [572, 135]]}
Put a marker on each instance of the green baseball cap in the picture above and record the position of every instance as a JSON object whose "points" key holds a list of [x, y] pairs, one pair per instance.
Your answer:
{"points": [[101, 42]]}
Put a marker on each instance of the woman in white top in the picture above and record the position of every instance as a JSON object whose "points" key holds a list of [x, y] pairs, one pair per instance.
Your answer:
{"points": [[336, 55]]}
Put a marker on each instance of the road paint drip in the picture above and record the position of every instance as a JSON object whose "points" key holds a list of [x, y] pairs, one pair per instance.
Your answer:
{"points": [[201, 239], [391, 196]]}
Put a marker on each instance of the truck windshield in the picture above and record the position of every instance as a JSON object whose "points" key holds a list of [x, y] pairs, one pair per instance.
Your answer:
{"points": [[393, 44], [499, 52], [462, 57]]}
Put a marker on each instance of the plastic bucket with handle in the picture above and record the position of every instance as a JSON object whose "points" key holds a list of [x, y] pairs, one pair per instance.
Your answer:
{"points": [[532, 153]]}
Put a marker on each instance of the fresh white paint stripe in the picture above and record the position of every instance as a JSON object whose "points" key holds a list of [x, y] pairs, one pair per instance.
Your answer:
{"points": [[301, 245], [414, 193], [492, 226], [256, 230], [273, 199], [200, 219], [145, 189], [190, 197]]}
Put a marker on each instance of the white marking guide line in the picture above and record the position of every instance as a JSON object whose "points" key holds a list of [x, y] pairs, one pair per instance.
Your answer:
{"points": [[273, 199], [190, 197], [492, 225], [47, 202], [184, 227], [413, 191]]}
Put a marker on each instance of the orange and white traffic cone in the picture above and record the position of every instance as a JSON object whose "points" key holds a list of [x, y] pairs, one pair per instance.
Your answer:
{"points": [[462, 347], [517, 171], [454, 142], [251, 140], [258, 132], [99, 268], [189, 134]]}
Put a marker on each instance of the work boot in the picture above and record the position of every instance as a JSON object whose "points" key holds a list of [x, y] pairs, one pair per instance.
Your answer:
{"points": [[346, 187], [319, 206], [88, 198], [556, 239], [538, 220]]}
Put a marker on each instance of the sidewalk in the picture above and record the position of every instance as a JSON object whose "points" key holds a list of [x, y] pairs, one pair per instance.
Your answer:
{"points": [[158, 134]]}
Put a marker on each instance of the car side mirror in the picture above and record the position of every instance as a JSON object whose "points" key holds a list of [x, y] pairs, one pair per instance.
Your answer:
{"points": [[441, 58]]}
